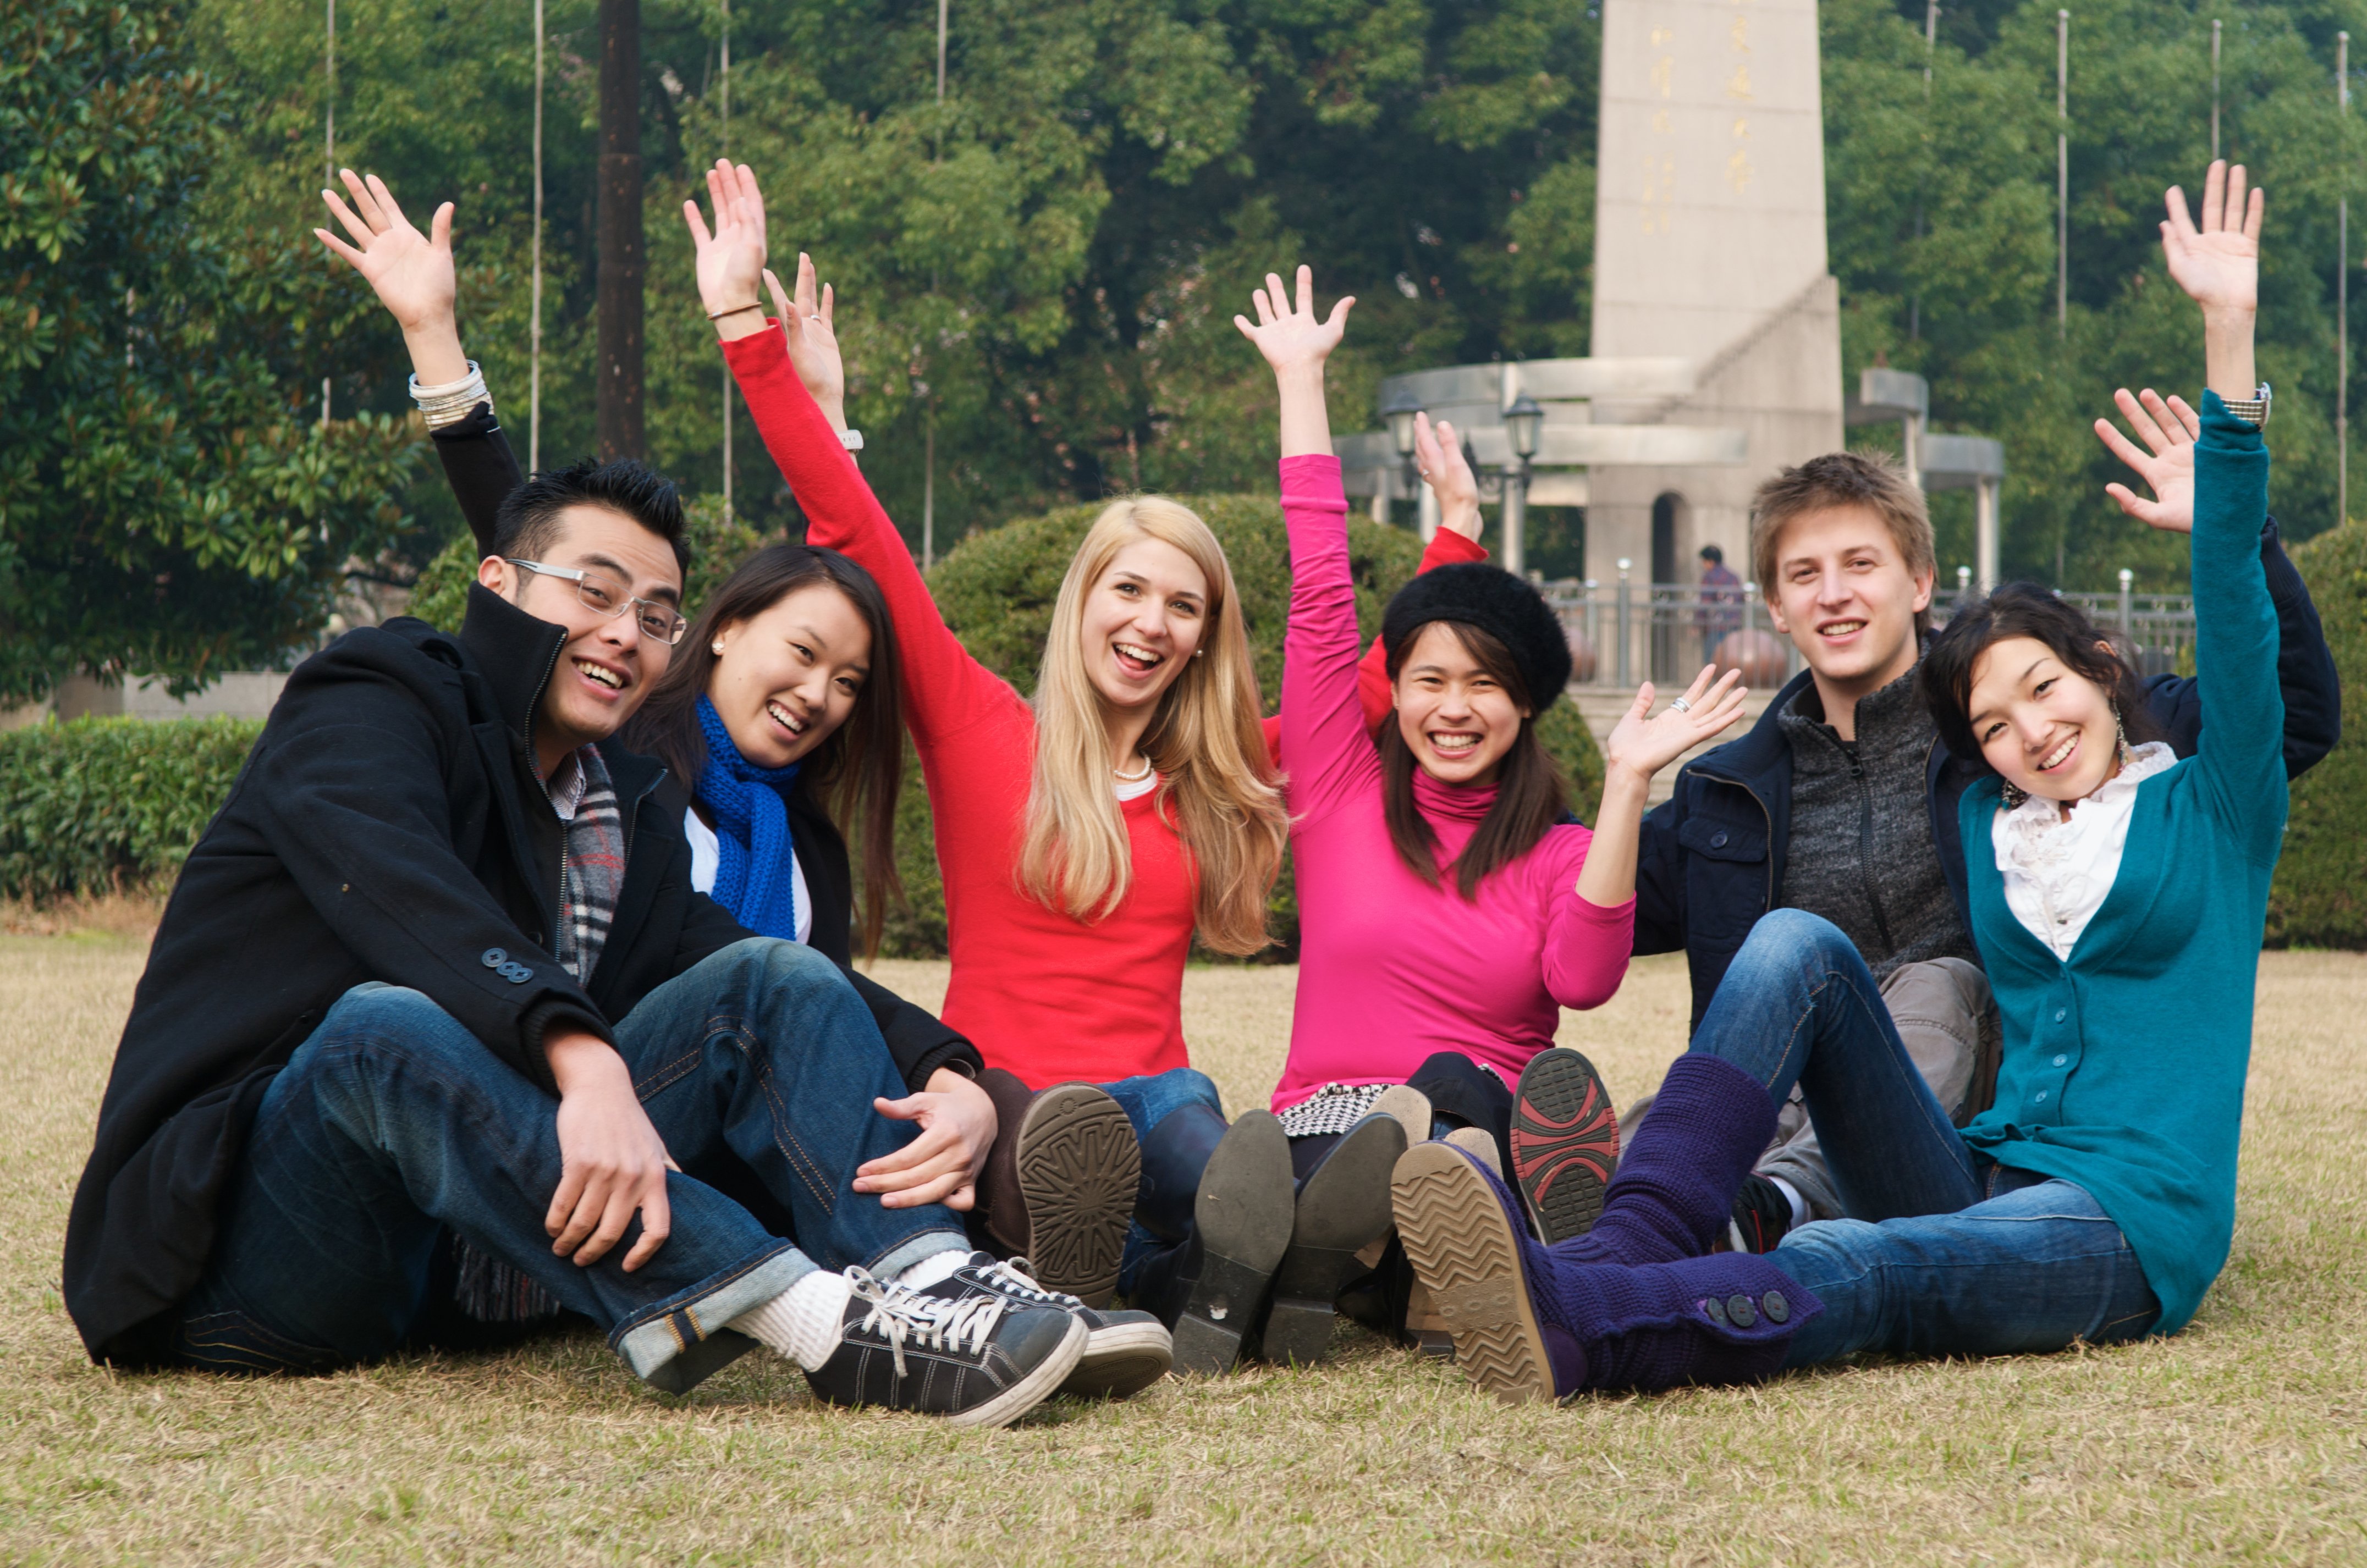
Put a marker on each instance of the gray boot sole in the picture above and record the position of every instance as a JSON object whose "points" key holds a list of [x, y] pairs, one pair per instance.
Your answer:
{"points": [[1343, 1209], [1242, 1215]]}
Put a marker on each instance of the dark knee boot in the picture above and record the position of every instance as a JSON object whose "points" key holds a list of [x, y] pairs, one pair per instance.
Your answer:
{"points": [[1221, 1197], [1000, 1199], [1674, 1192], [1343, 1207]]}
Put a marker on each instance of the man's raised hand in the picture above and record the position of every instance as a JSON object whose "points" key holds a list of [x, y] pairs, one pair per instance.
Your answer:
{"points": [[731, 259], [2168, 429], [411, 272]]}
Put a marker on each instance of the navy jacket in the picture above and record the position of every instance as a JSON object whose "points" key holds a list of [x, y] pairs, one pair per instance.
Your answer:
{"points": [[1712, 857]]}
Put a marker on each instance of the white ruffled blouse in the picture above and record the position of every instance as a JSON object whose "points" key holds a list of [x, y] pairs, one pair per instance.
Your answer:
{"points": [[2058, 869]]}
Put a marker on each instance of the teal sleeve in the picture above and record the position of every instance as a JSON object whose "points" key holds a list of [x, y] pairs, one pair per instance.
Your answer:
{"points": [[2241, 752]]}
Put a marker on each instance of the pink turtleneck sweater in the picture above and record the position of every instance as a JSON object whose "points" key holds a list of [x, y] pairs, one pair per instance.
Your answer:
{"points": [[1390, 967]]}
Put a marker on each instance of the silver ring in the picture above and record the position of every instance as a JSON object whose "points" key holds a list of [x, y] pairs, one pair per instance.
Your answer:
{"points": [[1679, 705]]}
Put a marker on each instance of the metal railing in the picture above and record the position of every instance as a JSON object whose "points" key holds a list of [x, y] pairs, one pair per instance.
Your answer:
{"points": [[1622, 632]]}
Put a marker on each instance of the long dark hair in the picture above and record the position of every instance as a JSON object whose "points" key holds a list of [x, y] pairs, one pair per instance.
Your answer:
{"points": [[859, 770], [2023, 609], [1531, 794]]}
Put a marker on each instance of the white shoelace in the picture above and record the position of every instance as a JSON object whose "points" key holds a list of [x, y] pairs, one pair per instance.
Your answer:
{"points": [[898, 1315], [1017, 1274]]}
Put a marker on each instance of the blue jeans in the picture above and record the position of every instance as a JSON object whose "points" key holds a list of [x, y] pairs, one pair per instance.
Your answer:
{"points": [[1148, 1100], [392, 1124], [1945, 1251]]}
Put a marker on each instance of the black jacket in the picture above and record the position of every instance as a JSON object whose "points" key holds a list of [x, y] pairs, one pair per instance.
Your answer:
{"points": [[483, 469], [1713, 854], [388, 826]]}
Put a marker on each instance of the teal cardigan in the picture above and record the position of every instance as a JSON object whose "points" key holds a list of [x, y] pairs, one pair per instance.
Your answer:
{"points": [[2123, 1066]]}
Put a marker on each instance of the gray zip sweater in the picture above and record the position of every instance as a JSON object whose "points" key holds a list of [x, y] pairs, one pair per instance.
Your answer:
{"points": [[1861, 854]]}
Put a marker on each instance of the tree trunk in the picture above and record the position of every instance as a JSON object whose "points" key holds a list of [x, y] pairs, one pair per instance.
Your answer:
{"points": [[618, 406]]}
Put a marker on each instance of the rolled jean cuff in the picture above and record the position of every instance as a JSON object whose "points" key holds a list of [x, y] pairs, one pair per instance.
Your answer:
{"points": [[925, 1244], [677, 1345]]}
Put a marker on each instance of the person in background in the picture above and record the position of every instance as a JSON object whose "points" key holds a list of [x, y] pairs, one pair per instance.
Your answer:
{"points": [[1721, 612]]}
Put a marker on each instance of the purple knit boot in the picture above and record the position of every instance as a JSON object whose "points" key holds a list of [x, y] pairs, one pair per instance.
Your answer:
{"points": [[1529, 1325], [1674, 1191]]}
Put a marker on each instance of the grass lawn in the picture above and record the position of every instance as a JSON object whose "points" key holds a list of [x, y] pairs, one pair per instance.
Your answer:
{"points": [[2245, 1438]]}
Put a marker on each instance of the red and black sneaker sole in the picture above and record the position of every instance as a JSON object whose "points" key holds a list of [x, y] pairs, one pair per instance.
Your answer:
{"points": [[1565, 1143]]}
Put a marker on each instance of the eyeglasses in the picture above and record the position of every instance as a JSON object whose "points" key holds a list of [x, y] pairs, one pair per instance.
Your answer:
{"points": [[607, 596]]}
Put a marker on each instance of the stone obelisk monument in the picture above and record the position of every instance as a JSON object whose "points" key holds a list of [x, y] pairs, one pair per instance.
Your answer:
{"points": [[1709, 243]]}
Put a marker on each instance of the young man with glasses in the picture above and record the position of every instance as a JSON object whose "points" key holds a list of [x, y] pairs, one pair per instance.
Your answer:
{"points": [[434, 1017]]}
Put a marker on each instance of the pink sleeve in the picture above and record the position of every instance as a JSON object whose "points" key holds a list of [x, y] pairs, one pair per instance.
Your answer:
{"points": [[1586, 946], [1324, 743], [945, 688], [1446, 546]]}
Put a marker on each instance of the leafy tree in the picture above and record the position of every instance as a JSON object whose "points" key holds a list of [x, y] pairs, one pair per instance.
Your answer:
{"points": [[1942, 235], [169, 500]]}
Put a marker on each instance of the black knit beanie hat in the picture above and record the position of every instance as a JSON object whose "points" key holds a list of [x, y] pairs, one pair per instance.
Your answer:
{"points": [[1498, 604]]}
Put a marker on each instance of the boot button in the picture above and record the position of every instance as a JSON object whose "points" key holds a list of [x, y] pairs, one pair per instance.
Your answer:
{"points": [[1715, 1310], [1777, 1309], [1739, 1312]]}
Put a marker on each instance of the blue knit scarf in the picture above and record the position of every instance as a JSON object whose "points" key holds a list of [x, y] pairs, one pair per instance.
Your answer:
{"points": [[754, 873]]}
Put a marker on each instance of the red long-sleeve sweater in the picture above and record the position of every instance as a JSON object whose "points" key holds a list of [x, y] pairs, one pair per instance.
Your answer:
{"points": [[1041, 994]]}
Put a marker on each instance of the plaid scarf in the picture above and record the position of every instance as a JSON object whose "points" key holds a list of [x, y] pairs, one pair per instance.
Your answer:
{"points": [[592, 869]]}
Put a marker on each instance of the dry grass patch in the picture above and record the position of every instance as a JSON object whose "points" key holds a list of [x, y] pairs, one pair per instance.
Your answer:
{"points": [[2241, 1440]]}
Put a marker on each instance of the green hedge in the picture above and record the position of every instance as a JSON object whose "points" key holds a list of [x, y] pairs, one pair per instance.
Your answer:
{"points": [[108, 805], [2319, 898], [997, 590]]}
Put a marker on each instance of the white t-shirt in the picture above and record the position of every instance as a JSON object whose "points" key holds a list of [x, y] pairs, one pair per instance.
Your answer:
{"points": [[707, 852], [1134, 789]]}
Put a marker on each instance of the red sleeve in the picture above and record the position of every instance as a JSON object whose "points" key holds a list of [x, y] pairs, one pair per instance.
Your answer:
{"points": [[945, 688], [1373, 674], [1273, 728]]}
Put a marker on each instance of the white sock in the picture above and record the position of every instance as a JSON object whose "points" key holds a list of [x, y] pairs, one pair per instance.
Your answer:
{"points": [[803, 1322], [936, 1266], [1799, 1204]]}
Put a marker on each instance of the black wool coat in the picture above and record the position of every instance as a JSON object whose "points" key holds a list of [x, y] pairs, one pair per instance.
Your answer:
{"points": [[388, 826]]}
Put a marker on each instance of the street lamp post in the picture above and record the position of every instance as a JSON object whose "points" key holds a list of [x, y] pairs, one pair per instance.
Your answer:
{"points": [[1522, 422], [1397, 411]]}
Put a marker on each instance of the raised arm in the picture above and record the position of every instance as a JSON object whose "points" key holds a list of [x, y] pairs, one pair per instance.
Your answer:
{"points": [[1324, 742], [413, 277], [946, 690], [2305, 672], [2240, 754]]}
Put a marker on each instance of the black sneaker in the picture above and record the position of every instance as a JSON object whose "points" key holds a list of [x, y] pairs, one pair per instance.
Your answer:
{"points": [[1125, 1352], [1762, 1215], [978, 1358], [1564, 1144]]}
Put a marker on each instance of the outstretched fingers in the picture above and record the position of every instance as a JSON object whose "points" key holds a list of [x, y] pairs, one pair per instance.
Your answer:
{"points": [[2121, 447]]}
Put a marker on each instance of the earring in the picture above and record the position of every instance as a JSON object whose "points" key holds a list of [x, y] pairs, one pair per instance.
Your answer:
{"points": [[1198, 651], [718, 647]]}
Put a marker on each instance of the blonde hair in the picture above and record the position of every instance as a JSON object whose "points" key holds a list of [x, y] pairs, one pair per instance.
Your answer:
{"points": [[1217, 785]]}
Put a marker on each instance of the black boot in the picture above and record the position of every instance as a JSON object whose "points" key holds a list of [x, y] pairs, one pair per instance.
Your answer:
{"points": [[1343, 1208], [1223, 1196]]}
